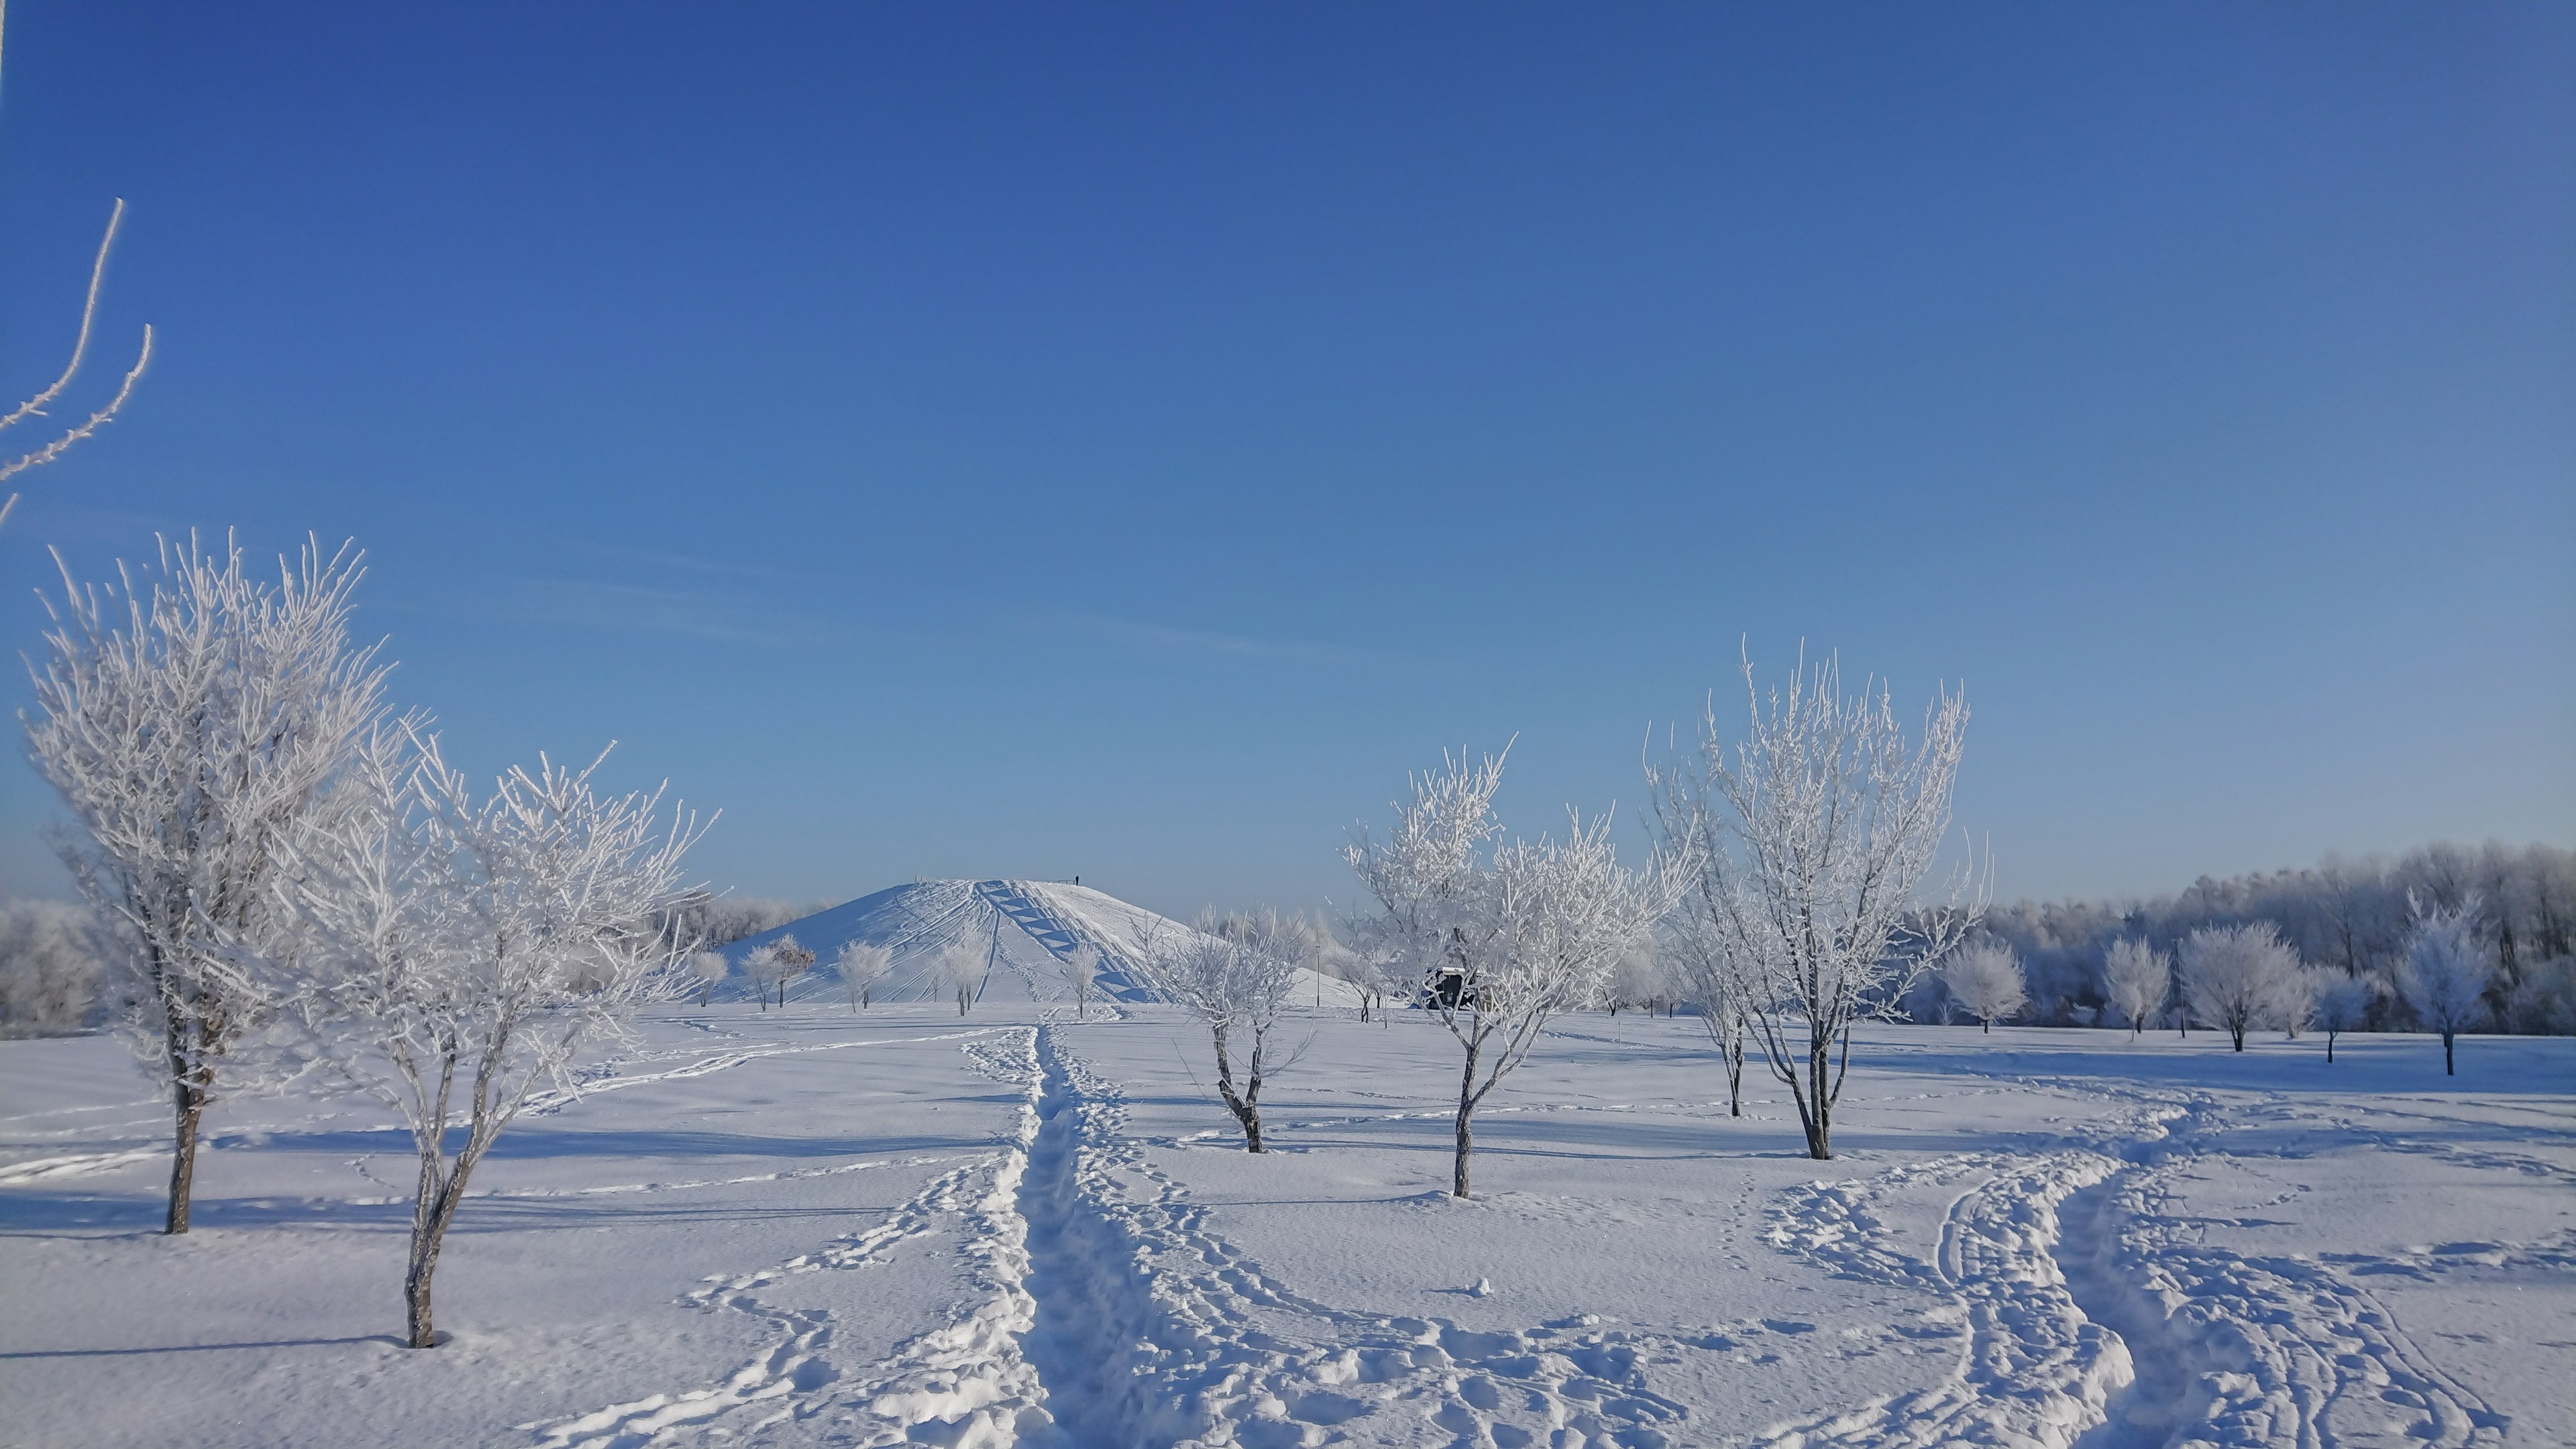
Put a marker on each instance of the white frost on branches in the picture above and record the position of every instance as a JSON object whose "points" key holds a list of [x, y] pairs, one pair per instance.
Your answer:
{"points": [[1808, 841], [2231, 975], [34, 407], [2446, 971], [1081, 968], [709, 968], [1237, 974], [459, 953], [1502, 937], [1695, 958], [194, 720], [862, 965], [1985, 981], [959, 970], [2343, 1004], [2137, 977], [49, 968], [773, 965]]}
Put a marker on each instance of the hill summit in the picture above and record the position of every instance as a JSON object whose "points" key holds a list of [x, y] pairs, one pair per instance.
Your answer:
{"points": [[1028, 930]]}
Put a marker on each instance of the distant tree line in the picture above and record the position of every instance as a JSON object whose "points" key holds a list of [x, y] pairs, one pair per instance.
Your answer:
{"points": [[2353, 916], [712, 921], [53, 964], [50, 967]]}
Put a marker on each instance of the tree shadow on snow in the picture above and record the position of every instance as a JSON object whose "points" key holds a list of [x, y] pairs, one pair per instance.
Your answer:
{"points": [[387, 1339]]}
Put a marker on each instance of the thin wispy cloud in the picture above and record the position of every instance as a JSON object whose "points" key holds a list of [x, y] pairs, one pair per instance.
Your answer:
{"points": [[714, 615], [1215, 644]]}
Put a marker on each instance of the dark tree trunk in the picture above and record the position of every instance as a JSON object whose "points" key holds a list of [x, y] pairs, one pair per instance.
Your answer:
{"points": [[1245, 1105], [1816, 1100], [2446, 1071], [190, 1105], [1466, 1135]]}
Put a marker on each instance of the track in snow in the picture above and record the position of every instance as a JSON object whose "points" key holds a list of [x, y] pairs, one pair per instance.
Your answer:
{"points": [[1150, 1330], [2238, 1350], [2098, 1320]]}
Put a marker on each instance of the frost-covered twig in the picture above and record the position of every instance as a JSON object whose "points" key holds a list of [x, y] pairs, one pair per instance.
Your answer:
{"points": [[35, 406]]}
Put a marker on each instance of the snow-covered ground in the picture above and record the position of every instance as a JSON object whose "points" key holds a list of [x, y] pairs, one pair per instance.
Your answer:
{"points": [[813, 1227]]}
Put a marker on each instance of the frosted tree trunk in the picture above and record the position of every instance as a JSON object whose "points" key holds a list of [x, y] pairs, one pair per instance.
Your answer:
{"points": [[434, 1210]]}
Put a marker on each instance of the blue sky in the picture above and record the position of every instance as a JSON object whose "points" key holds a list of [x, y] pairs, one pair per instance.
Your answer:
{"points": [[1039, 440]]}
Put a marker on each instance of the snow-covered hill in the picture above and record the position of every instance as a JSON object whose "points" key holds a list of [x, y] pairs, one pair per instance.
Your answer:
{"points": [[1028, 929]]}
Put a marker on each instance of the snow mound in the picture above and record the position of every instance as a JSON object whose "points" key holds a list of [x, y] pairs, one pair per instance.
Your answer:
{"points": [[1027, 928]]}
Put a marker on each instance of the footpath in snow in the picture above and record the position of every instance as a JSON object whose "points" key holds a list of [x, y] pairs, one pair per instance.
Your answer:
{"points": [[813, 1227]]}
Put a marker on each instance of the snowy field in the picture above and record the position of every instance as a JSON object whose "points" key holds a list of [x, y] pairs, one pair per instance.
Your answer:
{"points": [[812, 1227]]}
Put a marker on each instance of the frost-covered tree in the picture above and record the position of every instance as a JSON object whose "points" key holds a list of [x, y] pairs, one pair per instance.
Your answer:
{"points": [[1702, 980], [709, 969], [2136, 977], [1985, 981], [49, 968], [2343, 1004], [34, 407], [861, 966], [461, 952], [2293, 1007], [794, 960], [762, 965], [193, 718], [959, 971], [2231, 975], [773, 964], [1637, 980], [1377, 978], [1081, 968], [1810, 839], [2546, 999], [1507, 936], [2446, 971], [1237, 975], [711, 920]]}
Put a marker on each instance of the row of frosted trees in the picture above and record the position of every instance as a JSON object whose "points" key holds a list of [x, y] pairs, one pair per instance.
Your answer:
{"points": [[2238, 978], [300, 886], [2359, 917], [1782, 896], [1784, 890]]}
